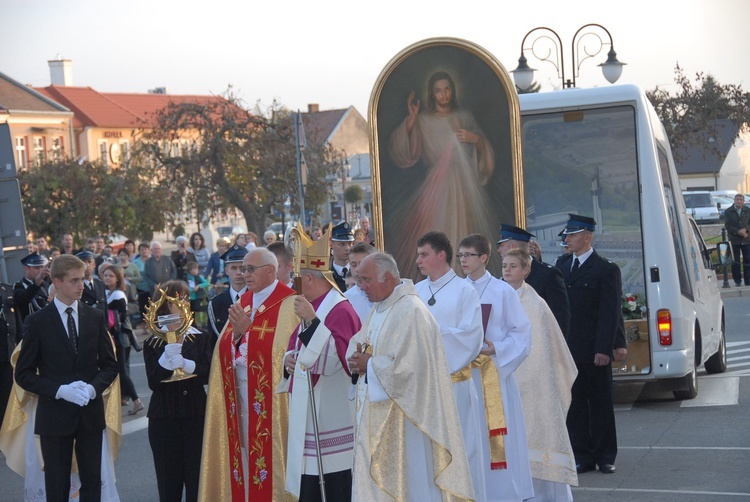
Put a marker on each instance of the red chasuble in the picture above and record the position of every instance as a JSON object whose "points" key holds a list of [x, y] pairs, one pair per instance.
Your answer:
{"points": [[268, 413]]}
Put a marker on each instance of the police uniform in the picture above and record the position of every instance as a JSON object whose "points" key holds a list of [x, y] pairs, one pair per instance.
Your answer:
{"points": [[10, 331], [94, 291], [218, 307], [546, 280], [341, 233], [28, 296], [594, 291]]}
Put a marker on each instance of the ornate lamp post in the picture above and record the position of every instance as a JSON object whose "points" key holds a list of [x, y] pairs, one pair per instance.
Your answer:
{"points": [[587, 43], [345, 169]]}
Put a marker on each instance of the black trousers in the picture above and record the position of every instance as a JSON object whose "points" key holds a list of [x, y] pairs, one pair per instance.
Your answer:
{"points": [[743, 249], [6, 385], [143, 298], [57, 453], [127, 389], [338, 487], [176, 445], [591, 417]]}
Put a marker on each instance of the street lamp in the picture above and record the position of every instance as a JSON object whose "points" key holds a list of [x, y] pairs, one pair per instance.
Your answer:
{"points": [[611, 68], [346, 167]]}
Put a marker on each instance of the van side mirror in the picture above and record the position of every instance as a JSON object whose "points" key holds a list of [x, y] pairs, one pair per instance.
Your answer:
{"points": [[724, 252]]}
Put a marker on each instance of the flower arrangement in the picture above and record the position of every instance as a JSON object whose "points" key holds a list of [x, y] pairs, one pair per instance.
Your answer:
{"points": [[633, 306]]}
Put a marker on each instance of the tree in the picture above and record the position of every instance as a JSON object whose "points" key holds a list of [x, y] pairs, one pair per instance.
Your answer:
{"points": [[533, 88], [89, 198], [690, 115], [353, 194], [228, 157]]}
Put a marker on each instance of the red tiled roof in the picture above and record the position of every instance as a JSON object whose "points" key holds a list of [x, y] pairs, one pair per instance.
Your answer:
{"points": [[99, 109]]}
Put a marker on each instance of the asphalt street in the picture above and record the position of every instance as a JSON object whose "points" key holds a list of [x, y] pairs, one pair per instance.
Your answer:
{"points": [[669, 450]]}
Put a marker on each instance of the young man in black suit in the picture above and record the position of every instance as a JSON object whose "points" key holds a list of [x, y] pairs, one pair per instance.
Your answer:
{"points": [[218, 307], [67, 359], [594, 290], [94, 290]]}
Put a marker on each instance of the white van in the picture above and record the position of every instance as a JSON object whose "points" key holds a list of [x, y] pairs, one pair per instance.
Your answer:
{"points": [[701, 205], [602, 152]]}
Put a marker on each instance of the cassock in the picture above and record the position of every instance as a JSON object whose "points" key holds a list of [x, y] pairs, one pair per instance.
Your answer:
{"points": [[321, 348], [508, 328], [242, 405], [359, 301], [458, 314], [408, 440], [545, 379]]}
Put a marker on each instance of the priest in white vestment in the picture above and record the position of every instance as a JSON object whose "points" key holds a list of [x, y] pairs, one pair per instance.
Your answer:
{"points": [[507, 341], [545, 379], [408, 441], [455, 306]]}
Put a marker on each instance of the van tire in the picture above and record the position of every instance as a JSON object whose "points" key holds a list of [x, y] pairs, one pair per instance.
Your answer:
{"points": [[691, 381], [717, 363]]}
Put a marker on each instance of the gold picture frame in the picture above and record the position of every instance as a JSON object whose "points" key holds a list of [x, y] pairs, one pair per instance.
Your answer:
{"points": [[423, 177]]}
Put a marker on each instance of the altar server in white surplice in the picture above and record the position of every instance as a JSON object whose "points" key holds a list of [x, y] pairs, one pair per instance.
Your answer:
{"points": [[545, 379], [355, 295], [507, 341], [408, 440], [455, 306]]}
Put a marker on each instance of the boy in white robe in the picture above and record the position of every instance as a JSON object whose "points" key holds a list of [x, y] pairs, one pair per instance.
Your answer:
{"points": [[455, 306], [508, 341]]}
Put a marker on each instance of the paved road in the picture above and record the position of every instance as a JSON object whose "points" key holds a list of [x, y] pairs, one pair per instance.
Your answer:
{"points": [[670, 450]]}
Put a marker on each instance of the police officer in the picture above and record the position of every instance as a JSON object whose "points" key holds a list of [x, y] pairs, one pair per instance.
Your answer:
{"points": [[546, 280], [342, 238], [218, 307], [594, 287], [94, 291], [31, 293], [10, 331]]}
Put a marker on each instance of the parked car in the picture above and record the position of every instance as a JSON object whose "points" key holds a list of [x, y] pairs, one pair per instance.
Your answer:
{"points": [[701, 206], [230, 233], [117, 241], [277, 228], [723, 203]]}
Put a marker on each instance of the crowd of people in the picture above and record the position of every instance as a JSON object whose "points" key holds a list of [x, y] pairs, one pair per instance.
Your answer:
{"points": [[346, 379]]}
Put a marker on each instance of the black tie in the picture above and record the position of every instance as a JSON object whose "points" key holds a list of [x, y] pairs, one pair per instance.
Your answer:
{"points": [[72, 333], [236, 298], [576, 264], [344, 271]]}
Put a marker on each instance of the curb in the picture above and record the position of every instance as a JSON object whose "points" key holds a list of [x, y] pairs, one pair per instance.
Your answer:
{"points": [[734, 292]]}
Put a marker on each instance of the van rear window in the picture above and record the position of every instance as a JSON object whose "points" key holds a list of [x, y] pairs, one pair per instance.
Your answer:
{"points": [[587, 166]]}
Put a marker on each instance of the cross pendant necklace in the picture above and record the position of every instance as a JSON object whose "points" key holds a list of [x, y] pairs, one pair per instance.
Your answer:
{"points": [[432, 301]]}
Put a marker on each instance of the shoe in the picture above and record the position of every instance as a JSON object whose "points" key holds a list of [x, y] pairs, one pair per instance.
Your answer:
{"points": [[607, 468], [124, 402], [581, 468], [138, 406]]}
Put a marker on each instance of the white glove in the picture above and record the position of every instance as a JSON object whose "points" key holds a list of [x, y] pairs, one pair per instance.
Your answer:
{"points": [[73, 395], [173, 349], [166, 362], [178, 361], [89, 389]]}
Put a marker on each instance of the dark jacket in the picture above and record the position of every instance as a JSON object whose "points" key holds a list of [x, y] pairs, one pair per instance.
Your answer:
{"points": [[186, 398], [734, 221], [10, 331], [594, 294], [29, 297], [49, 360], [548, 282]]}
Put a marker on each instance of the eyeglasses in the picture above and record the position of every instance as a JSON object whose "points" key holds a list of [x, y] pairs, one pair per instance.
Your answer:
{"points": [[461, 256], [252, 269]]}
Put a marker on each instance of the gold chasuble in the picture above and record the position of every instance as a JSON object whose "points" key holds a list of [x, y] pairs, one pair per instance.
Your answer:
{"points": [[222, 464]]}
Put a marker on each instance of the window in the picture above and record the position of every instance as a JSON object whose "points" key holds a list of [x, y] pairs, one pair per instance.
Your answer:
{"points": [[103, 152], [21, 155], [124, 152], [38, 150], [56, 150]]}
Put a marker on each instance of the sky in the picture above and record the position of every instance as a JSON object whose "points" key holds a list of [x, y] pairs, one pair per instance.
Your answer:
{"points": [[331, 52]]}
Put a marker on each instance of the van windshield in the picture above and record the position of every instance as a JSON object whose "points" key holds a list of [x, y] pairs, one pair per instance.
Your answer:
{"points": [[698, 200], [585, 162]]}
